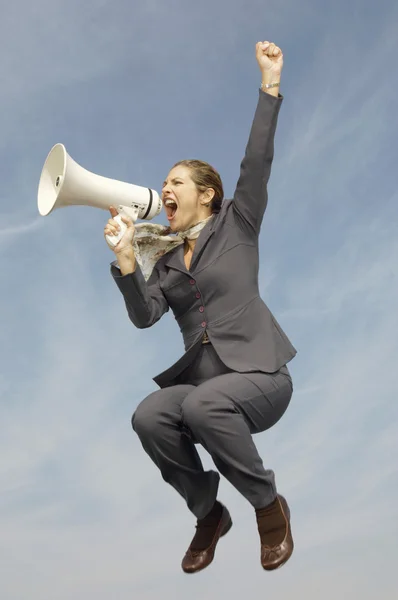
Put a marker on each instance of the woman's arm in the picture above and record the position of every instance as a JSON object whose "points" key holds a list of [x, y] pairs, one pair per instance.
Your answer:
{"points": [[251, 196], [144, 300]]}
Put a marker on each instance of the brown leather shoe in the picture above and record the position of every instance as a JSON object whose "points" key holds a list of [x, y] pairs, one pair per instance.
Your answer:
{"points": [[273, 557], [208, 531]]}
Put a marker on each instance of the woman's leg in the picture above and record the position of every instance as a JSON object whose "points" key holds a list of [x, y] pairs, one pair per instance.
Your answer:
{"points": [[223, 412], [158, 423]]}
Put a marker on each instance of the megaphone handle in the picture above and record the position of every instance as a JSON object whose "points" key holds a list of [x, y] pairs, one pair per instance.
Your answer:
{"points": [[113, 240]]}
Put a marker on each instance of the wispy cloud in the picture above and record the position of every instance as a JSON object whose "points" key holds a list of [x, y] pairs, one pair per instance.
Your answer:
{"points": [[6, 232]]}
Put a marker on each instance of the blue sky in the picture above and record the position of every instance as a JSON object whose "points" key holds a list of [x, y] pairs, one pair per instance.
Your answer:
{"points": [[130, 88]]}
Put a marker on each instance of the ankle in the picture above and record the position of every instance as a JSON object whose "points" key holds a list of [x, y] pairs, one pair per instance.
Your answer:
{"points": [[215, 512], [271, 523], [267, 508]]}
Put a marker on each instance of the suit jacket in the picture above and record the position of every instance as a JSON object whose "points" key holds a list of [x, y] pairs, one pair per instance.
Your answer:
{"points": [[220, 294]]}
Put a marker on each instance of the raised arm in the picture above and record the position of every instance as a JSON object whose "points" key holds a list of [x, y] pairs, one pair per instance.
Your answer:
{"points": [[251, 196]]}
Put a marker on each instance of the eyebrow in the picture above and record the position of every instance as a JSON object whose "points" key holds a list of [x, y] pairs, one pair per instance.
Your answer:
{"points": [[173, 180]]}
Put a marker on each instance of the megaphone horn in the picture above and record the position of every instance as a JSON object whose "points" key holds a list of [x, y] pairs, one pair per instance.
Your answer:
{"points": [[63, 182]]}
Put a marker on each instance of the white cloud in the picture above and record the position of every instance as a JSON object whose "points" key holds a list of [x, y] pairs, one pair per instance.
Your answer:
{"points": [[7, 232]]}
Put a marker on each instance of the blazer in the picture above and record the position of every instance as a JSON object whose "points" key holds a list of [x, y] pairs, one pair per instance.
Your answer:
{"points": [[219, 294]]}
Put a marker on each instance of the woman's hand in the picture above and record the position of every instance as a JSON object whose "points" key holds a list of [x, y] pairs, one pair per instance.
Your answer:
{"points": [[270, 59], [112, 228]]}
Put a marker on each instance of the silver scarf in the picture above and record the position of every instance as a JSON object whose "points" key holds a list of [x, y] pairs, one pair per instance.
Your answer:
{"points": [[151, 242]]}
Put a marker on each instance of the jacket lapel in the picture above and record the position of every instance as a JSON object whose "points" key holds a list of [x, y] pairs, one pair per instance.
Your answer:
{"points": [[200, 245], [175, 259]]}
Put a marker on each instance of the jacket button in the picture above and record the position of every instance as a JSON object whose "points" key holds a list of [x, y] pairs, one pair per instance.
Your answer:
{"points": [[204, 324], [201, 309], [192, 281], [198, 294]]}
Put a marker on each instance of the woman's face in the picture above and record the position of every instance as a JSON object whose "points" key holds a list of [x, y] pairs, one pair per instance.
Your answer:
{"points": [[182, 201]]}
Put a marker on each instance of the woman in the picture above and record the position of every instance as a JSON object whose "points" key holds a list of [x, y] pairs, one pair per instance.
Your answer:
{"points": [[232, 380]]}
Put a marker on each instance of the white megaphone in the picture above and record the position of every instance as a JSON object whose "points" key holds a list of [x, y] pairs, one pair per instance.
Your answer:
{"points": [[65, 183]]}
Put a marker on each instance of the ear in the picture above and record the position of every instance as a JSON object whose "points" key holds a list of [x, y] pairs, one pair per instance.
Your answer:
{"points": [[207, 197]]}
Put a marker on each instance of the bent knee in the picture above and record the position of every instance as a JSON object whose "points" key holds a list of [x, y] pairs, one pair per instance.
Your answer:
{"points": [[145, 417], [159, 410], [139, 422]]}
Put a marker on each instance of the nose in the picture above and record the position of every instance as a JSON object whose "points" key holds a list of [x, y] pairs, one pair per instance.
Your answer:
{"points": [[166, 190]]}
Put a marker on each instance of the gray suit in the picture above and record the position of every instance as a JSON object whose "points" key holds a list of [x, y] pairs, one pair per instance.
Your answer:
{"points": [[218, 295]]}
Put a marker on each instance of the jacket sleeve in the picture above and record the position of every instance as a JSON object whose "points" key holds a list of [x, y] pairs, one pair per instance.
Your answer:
{"points": [[251, 196], [145, 301]]}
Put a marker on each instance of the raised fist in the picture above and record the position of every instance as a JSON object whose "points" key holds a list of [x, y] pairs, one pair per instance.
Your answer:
{"points": [[269, 58]]}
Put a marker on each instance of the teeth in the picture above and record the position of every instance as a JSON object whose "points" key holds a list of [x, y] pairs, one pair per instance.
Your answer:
{"points": [[170, 203]]}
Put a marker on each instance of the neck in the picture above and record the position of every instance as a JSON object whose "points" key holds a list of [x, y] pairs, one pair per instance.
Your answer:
{"points": [[201, 216], [189, 245]]}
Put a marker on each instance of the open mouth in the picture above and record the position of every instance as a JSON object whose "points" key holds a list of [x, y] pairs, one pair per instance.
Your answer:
{"points": [[170, 208]]}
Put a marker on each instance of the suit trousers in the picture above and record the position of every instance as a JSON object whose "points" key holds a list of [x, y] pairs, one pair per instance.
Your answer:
{"points": [[220, 409]]}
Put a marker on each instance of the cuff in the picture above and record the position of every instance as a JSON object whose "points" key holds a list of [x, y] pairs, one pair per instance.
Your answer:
{"points": [[132, 283]]}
